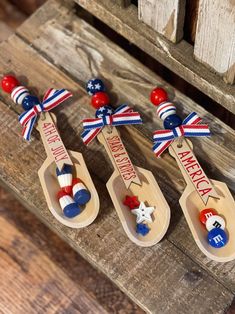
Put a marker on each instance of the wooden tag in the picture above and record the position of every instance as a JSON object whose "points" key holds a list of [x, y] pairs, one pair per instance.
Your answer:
{"points": [[120, 156], [52, 141], [192, 169]]}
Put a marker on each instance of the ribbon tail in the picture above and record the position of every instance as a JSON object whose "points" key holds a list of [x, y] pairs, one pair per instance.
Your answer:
{"points": [[27, 129], [160, 147], [89, 135]]}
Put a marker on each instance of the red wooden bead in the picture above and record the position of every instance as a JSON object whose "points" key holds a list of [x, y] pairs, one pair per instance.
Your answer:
{"points": [[9, 82], [158, 96], [206, 213], [100, 99]]}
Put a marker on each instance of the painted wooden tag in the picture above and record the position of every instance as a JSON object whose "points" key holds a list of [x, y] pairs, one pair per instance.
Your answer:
{"points": [[120, 156], [188, 161], [52, 141]]}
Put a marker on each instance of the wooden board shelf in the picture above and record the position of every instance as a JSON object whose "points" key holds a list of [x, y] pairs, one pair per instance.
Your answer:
{"points": [[55, 48], [177, 57]]}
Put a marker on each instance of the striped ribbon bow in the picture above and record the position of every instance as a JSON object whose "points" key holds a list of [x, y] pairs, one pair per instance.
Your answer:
{"points": [[51, 99], [123, 115], [189, 128]]}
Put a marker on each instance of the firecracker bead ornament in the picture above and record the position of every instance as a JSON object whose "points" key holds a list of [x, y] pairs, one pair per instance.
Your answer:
{"points": [[69, 206], [65, 178], [81, 195], [94, 86]]}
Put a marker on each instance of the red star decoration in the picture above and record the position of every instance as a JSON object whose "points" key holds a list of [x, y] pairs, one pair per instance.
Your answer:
{"points": [[131, 201]]}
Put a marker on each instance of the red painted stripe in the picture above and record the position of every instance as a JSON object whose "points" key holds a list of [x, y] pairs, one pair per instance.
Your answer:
{"points": [[19, 89], [60, 100]]}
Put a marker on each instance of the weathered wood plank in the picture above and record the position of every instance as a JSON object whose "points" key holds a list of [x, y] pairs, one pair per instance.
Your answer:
{"points": [[130, 80], [48, 267], [123, 3], [166, 17], [186, 286], [178, 58], [215, 37]]}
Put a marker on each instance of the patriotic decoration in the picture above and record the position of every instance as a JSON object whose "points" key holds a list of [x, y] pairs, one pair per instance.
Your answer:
{"points": [[165, 109], [69, 207], [94, 86], [104, 111], [80, 193], [123, 115], [142, 229], [52, 99], [143, 213], [65, 178], [18, 94], [189, 128]]}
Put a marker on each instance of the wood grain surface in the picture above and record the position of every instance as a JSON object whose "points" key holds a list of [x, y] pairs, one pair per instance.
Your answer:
{"points": [[55, 48], [166, 17], [178, 58], [40, 273], [215, 37]]}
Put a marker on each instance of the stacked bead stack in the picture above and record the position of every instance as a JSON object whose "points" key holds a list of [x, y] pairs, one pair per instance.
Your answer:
{"points": [[70, 205], [215, 226], [142, 212]]}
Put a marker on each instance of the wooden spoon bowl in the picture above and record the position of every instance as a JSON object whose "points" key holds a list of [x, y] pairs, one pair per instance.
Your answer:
{"points": [[192, 204], [50, 185], [150, 193]]}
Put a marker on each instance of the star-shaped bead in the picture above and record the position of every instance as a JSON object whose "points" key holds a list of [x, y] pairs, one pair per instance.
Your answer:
{"points": [[131, 201], [142, 229], [143, 213]]}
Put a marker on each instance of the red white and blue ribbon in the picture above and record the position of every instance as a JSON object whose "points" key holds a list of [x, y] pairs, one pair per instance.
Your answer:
{"points": [[189, 128], [51, 99], [123, 115]]}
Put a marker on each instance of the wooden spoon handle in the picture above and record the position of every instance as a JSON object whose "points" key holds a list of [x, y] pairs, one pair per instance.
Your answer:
{"points": [[192, 171], [118, 155], [52, 141]]}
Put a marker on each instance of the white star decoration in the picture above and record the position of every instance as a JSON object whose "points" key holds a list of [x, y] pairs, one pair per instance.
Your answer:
{"points": [[89, 85], [143, 213], [97, 86], [109, 111]]}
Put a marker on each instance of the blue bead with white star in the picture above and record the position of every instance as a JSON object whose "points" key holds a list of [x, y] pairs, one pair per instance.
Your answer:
{"points": [[104, 111], [142, 229], [94, 86]]}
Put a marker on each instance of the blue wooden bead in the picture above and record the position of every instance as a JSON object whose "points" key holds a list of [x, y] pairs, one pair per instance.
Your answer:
{"points": [[172, 121], [94, 86], [29, 101], [217, 238], [104, 111], [142, 229]]}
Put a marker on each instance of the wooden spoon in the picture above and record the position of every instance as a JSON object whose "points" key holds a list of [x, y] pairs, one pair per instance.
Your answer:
{"points": [[47, 174], [142, 184], [192, 203]]}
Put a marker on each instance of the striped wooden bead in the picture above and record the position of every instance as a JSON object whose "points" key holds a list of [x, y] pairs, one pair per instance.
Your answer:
{"points": [[65, 178], [166, 109], [67, 204], [18, 94], [80, 193]]}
